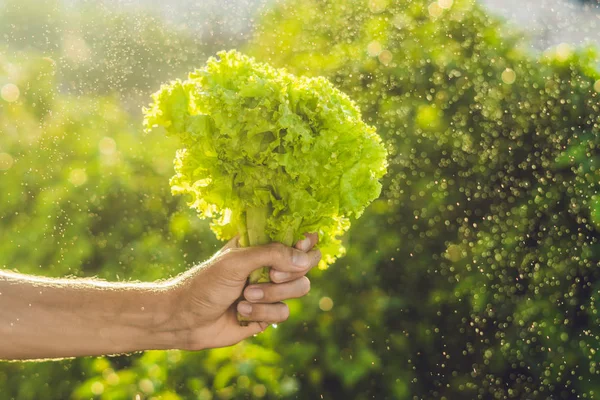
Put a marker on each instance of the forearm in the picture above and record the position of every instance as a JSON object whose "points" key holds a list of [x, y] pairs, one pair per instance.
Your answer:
{"points": [[45, 318]]}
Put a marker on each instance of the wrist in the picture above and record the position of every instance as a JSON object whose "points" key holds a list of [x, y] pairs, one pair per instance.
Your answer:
{"points": [[155, 313]]}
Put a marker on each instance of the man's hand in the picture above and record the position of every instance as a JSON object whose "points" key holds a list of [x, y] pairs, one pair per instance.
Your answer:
{"points": [[204, 309], [44, 318]]}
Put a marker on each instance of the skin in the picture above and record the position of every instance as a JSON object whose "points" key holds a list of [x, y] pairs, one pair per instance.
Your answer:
{"points": [[44, 318]]}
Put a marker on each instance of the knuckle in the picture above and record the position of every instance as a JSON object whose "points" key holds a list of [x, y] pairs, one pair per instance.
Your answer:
{"points": [[279, 251], [269, 292], [274, 277], [225, 255], [222, 256], [231, 259], [262, 314], [279, 276]]}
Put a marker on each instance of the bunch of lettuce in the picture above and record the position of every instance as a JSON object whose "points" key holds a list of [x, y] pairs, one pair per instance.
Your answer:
{"points": [[268, 155]]}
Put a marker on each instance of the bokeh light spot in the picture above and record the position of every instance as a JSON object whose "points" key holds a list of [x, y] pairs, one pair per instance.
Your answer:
{"points": [[76, 49], [107, 146], [110, 376], [435, 10], [325, 304], [454, 253], [509, 76], [243, 381], [259, 390], [385, 57], [6, 161], [78, 177], [146, 386], [10, 92], [401, 21], [445, 4], [374, 48], [378, 6], [97, 388]]}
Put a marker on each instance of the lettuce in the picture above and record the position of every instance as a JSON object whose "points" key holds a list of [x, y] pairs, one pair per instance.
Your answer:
{"points": [[268, 155]]}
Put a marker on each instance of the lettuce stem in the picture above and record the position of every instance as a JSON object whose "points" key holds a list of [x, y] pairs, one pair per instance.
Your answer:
{"points": [[255, 235], [256, 225]]}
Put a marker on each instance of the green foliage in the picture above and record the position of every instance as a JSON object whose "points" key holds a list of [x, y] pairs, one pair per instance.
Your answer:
{"points": [[268, 155], [475, 276], [69, 190], [480, 267]]}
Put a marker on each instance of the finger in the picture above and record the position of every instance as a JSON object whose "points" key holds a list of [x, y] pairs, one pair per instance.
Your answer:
{"points": [[271, 313], [274, 255], [233, 333], [273, 293], [309, 241], [284, 276], [278, 276]]}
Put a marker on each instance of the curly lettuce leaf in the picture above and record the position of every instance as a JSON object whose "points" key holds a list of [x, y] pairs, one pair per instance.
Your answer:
{"points": [[269, 155]]}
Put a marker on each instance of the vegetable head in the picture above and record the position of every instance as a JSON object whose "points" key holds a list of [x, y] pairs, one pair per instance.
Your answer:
{"points": [[258, 137]]}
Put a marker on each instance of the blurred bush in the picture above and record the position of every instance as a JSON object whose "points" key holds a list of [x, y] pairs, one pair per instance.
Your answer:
{"points": [[101, 49], [475, 275]]}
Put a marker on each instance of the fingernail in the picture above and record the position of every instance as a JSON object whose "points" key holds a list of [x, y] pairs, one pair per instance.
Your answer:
{"points": [[304, 244], [300, 259], [244, 309], [279, 276], [254, 294]]}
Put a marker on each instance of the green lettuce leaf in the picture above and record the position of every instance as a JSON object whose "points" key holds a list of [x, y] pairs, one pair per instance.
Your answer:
{"points": [[269, 155]]}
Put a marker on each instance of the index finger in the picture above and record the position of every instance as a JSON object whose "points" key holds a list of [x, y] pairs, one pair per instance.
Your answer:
{"points": [[275, 255]]}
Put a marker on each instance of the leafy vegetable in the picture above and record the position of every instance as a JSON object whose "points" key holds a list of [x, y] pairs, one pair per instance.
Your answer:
{"points": [[268, 155]]}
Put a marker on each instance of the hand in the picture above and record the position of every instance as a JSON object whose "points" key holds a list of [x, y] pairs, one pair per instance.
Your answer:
{"points": [[203, 307]]}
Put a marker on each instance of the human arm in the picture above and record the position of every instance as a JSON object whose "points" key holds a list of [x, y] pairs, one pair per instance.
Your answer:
{"points": [[49, 318], [55, 318]]}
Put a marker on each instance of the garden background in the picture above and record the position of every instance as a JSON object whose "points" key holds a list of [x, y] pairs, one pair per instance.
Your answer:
{"points": [[475, 275]]}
